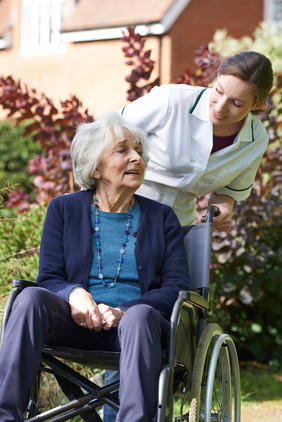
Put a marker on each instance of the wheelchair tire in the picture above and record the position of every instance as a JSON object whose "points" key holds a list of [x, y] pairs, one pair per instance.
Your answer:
{"points": [[220, 408]]}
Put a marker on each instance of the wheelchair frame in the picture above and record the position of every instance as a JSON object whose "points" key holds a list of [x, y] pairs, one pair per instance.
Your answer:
{"points": [[200, 360]]}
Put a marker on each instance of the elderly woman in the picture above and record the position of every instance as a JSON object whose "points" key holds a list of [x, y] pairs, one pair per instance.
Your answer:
{"points": [[111, 266]]}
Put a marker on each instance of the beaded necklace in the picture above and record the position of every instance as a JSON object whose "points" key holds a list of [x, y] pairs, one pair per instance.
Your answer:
{"points": [[98, 243]]}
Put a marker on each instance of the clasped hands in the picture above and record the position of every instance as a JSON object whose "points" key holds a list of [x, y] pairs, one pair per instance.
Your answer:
{"points": [[86, 313]]}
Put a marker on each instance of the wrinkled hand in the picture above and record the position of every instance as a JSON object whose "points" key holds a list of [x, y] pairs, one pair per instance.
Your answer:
{"points": [[110, 316], [225, 204], [84, 310]]}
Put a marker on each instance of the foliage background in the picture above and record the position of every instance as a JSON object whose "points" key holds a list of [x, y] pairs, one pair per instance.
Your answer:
{"points": [[246, 277], [247, 264]]}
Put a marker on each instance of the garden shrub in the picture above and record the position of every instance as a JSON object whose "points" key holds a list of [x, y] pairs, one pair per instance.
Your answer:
{"points": [[15, 152], [52, 128], [266, 40], [19, 246], [246, 278], [247, 264], [140, 62], [246, 290]]}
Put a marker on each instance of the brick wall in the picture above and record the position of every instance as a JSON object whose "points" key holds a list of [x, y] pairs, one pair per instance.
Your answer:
{"points": [[202, 18], [96, 71], [93, 71]]}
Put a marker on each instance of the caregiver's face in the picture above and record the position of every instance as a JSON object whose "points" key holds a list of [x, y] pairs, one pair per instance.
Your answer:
{"points": [[230, 101]]}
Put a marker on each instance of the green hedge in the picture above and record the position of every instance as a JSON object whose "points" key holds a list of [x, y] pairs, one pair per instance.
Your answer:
{"points": [[15, 152], [19, 246], [246, 280]]}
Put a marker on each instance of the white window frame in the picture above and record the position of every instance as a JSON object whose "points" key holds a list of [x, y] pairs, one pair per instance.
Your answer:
{"points": [[40, 27], [273, 12]]}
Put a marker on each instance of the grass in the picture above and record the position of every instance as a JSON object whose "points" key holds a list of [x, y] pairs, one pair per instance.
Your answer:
{"points": [[261, 393], [260, 383], [3, 298], [52, 396]]}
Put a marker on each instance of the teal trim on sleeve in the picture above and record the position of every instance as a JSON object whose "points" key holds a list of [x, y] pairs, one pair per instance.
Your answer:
{"points": [[197, 100], [252, 127], [123, 109], [239, 190]]}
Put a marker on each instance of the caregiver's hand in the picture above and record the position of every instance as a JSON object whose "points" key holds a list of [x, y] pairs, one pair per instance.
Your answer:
{"points": [[225, 204]]}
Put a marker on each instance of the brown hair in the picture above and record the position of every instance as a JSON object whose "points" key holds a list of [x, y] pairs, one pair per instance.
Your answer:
{"points": [[254, 68]]}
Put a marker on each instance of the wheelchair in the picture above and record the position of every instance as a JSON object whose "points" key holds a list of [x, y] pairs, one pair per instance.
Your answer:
{"points": [[200, 365]]}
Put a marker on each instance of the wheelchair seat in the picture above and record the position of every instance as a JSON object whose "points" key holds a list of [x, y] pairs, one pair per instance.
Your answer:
{"points": [[93, 358]]}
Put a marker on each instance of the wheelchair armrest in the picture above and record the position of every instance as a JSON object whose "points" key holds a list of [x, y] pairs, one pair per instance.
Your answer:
{"points": [[21, 283], [194, 298]]}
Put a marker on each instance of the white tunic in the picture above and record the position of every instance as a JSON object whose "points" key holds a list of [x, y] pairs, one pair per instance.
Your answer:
{"points": [[181, 166]]}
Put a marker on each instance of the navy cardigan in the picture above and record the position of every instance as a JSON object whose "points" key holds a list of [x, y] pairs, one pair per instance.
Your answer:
{"points": [[66, 251]]}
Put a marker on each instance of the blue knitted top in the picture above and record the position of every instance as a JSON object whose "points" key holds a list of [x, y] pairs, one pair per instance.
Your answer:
{"points": [[112, 227]]}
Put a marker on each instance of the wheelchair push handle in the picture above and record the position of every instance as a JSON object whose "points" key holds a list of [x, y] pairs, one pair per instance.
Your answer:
{"points": [[212, 211]]}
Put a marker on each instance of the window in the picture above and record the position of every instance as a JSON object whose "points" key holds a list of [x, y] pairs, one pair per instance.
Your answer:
{"points": [[40, 27], [273, 12]]}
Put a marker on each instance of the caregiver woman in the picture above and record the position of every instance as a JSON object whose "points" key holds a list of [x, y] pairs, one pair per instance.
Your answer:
{"points": [[206, 140]]}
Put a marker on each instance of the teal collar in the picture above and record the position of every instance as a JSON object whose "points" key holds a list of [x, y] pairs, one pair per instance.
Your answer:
{"points": [[197, 100]]}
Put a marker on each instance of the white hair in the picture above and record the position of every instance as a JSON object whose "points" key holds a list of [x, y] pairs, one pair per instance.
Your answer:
{"points": [[90, 141]]}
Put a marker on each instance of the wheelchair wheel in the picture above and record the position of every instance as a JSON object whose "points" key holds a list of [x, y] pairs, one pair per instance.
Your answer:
{"points": [[211, 392]]}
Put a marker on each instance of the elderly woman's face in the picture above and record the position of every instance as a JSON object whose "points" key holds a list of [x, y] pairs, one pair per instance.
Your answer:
{"points": [[121, 165]]}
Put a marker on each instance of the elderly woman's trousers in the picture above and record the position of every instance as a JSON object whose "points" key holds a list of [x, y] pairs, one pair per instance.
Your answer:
{"points": [[40, 317]]}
